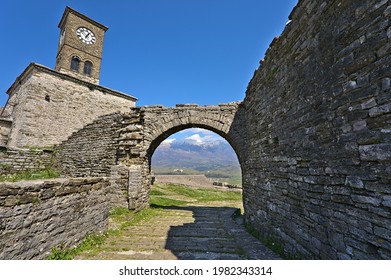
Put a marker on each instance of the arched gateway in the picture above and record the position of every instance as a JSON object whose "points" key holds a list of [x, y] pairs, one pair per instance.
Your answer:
{"points": [[121, 145]]}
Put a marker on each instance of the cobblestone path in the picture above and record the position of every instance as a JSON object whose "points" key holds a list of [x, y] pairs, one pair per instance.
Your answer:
{"points": [[188, 232]]}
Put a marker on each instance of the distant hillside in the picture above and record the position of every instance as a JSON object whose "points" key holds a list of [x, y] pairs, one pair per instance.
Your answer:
{"points": [[201, 157]]}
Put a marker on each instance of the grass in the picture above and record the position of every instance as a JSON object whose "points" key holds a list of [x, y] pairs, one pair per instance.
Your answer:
{"points": [[158, 202], [122, 218], [90, 242], [30, 175], [230, 174], [200, 194]]}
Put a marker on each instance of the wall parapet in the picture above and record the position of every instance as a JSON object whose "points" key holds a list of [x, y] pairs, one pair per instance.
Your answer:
{"points": [[36, 216]]}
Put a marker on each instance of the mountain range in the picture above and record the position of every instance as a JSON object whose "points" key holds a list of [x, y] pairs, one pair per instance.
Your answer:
{"points": [[194, 154]]}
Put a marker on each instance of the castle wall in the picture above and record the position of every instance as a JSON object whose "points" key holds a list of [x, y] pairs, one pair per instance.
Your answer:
{"points": [[50, 106], [317, 176], [36, 216], [19, 160]]}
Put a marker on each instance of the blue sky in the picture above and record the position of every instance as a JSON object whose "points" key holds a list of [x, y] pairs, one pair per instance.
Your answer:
{"points": [[164, 52]]}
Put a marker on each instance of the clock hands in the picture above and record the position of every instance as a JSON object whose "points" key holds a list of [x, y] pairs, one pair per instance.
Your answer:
{"points": [[86, 35]]}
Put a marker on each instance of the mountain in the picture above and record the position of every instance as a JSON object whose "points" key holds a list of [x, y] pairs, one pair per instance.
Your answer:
{"points": [[194, 154]]}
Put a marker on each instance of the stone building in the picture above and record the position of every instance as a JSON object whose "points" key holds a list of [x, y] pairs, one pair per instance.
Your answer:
{"points": [[46, 106]]}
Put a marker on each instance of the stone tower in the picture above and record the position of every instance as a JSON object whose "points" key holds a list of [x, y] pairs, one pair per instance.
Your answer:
{"points": [[80, 47]]}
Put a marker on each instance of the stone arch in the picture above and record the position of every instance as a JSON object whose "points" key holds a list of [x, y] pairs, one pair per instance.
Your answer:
{"points": [[218, 119], [146, 127]]}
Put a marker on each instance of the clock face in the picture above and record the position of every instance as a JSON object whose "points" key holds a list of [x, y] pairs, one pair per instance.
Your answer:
{"points": [[85, 35]]}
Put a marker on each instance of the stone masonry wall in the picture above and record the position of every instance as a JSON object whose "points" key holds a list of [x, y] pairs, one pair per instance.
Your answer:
{"points": [[5, 128], [47, 106], [317, 175], [36, 216], [91, 151], [18, 160]]}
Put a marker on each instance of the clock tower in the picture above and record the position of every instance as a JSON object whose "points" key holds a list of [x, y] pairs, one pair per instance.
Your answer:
{"points": [[80, 47]]}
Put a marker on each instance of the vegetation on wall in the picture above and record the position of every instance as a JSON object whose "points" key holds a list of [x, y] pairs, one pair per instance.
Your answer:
{"points": [[30, 175]]}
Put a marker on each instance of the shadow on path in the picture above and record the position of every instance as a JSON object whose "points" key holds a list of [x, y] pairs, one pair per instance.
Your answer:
{"points": [[213, 235]]}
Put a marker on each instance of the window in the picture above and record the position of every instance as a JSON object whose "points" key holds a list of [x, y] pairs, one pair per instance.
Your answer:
{"points": [[75, 64], [87, 68]]}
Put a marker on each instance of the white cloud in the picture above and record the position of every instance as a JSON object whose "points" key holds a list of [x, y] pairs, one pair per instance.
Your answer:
{"points": [[169, 141], [197, 139]]}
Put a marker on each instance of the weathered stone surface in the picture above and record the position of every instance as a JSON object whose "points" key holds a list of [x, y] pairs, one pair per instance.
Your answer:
{"points": [[14, 160], [354, 182], [46, 107], [375, 152], [322, 95], [32, 223]]}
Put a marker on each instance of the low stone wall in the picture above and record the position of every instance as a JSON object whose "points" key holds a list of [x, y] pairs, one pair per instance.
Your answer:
{"points": [[16, 160], [36, 216]]}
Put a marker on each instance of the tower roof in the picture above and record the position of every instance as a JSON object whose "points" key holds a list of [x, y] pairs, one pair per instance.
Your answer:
{"points": [[69, 10]]}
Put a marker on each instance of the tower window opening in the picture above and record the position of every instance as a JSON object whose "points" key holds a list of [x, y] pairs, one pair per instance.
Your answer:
{"points": [[87, 68], [75, 64]]}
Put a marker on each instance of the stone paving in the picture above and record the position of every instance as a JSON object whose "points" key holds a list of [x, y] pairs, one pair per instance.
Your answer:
{"points": [[188, 232]]}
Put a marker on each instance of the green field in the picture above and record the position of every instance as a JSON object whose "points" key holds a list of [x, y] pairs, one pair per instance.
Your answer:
{"points": [[231, 175]]}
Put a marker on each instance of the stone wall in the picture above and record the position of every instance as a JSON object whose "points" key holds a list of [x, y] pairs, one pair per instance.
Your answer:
{"points": [[91, 151], [46, 106], [36, 216], [317, 175], [5, 128], [18, 160]]}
